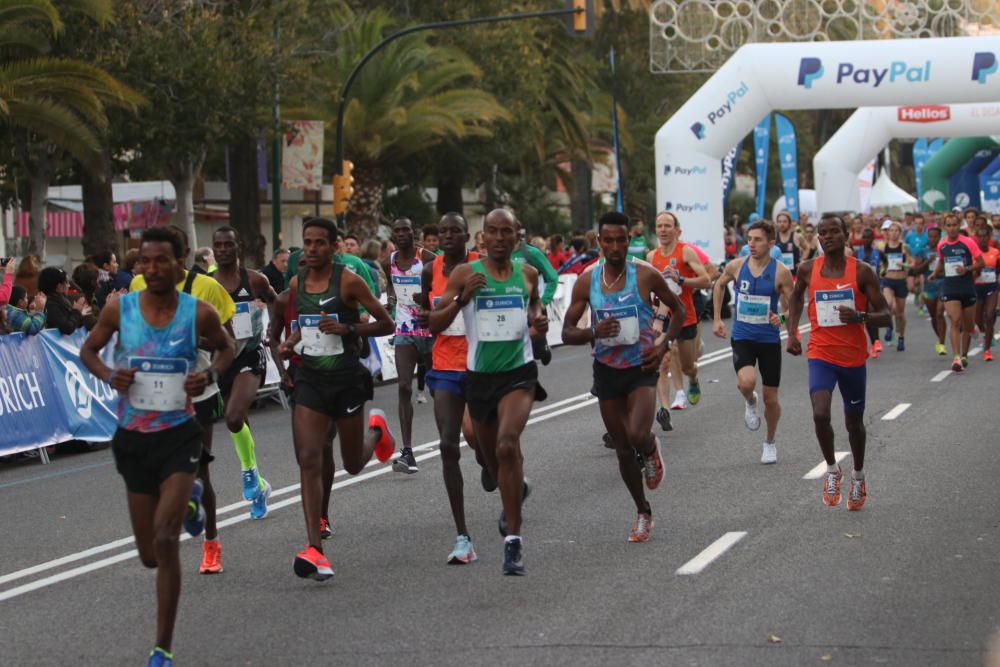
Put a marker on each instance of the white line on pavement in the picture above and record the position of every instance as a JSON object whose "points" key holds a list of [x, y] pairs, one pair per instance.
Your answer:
{"points": [[714, 550], [820, 469], [940, 376], [977, 350], [896, 411]]}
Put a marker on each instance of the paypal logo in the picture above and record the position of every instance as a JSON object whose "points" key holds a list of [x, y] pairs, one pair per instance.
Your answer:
{"points": [[723, 110], [699, 131], [698, 207], [984, 63], [696, 170], [810, 69]]}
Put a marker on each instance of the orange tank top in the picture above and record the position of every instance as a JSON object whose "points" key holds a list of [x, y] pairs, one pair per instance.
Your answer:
{"points": [[844, 345], [676, 260], [450, 346]]}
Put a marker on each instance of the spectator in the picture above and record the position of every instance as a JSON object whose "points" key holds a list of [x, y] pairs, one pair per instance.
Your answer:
{"points": [[60, 312], [275, 270], [352, 245], [557, 254], [387, 248], [21, 318], [8, 281], [127, 272], [204, 261], [431, 240], [590, 236], [86, 277], [583, 256], [370, 254], [539, 242], [107, 265], [27, 274], [480, 244]]}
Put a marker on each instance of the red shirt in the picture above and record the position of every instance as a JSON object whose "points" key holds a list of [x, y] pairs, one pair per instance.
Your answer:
{"points": [[844, 345]]}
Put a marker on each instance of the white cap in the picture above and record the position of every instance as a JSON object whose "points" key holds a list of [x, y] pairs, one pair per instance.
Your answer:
{"points": [[886, 225]]}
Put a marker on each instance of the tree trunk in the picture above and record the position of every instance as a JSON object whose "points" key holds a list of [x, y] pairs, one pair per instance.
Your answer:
{"points": [[183, 175], [366, 205], [579, 198], [36, 223], [244, 201], [449, 197], [98, 211]]}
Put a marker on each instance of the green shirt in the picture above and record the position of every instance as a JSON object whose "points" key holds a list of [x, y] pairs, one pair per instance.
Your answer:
{"points": [[536, 258], [354, 263], [496, 323], [637, 247]]}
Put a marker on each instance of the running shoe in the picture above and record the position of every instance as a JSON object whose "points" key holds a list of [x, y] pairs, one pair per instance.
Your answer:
{"points": [[957, 366], [750, 416], [513, 557], [258, 506], [888, 335], [987, 355], [663, 419], [769, 454], [608, 442], [211, 557], [386, 444], [194, 518], [160, 658], [965, 361], [325, 529], [680, 401], [876, 349], [641, 528], [652, 468], [251, 483], [421, 397], [694, 392], [405, 462], [940, 349], [463, 553], [502, 522], [485, 478], [900, 345], [831, 487], [310, 563], [858, 495]]}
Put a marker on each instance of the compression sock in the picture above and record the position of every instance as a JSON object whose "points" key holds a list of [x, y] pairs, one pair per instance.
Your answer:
{"points": [[243, 440]]}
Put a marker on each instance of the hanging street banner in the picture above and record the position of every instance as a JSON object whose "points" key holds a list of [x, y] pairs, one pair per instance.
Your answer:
{"points": [[789, 157], [302, 156], [762, 153]]}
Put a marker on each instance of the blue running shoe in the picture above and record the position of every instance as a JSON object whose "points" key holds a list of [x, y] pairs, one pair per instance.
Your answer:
{"points": [[194, 518], [463, 553], [502, 522], [888, 335], [160, 658], [513, 557], [251, 483], [258, 506], [694, 392]]}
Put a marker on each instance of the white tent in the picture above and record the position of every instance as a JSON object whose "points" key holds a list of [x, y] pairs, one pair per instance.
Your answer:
{"points": [[807, 205], [887, 197]]}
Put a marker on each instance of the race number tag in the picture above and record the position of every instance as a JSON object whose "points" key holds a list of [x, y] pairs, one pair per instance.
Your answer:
{"points": [[500, 318], [951, 265], [894, 261], [628, 323], [987, 277], [827, 302], [753, 308], [159, 383], [457, 326], [315, 343], [243, 321], [672, 284], [407, 287], [788, 259]]}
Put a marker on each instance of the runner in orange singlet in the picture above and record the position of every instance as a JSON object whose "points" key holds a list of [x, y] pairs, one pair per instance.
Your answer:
{"points": [[843, 296]]}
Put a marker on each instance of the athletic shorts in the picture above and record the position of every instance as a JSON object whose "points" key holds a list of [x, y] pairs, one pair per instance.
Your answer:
{"points": [[452, 381], [611, 383], [689, 332], [766, 356], [983, 291], [932, 290], [968, 299], [699, 299], [337, 395], [824, 376], [248, 361], [897, 285], [483, 391], [422, 343], [145, 460], [210, 410]]}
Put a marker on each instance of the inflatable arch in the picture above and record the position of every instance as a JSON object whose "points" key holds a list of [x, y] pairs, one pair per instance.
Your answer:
{"points": [[952, 157], [760, 78], [869, 129]]}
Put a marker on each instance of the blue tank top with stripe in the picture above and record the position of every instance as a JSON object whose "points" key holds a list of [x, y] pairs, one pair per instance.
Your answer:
{"points": [[756, 298], [634, 314]]}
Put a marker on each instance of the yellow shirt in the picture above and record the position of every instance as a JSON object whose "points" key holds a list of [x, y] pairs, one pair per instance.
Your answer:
{"points": [[204, 289]]}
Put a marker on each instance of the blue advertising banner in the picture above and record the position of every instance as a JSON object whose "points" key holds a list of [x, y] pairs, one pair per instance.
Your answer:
{"points": [[921, 154], [963, 186], [789, 156], [762, 152], [989, 187], [729, 171]]}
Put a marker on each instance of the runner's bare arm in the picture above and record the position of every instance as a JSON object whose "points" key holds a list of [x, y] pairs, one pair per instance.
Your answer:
{"points": [[538, 322], [879, 314], [275, 328], [701, 279], [355, 289], [783, 281], [261, 287], [658, 287], [728, 275], [795, 303], [214, 339], [463, 282], [99, 336], [579, 300]]}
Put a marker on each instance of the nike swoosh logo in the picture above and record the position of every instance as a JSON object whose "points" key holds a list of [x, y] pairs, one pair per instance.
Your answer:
{"points": [[194, 459], [843, 286], [623, 298], [177, 342], [855, 402], [323, 302], [351, 411]]}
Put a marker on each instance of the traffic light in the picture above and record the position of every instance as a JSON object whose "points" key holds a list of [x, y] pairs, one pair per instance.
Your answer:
{"points": [[581, 21], [343, 188]]}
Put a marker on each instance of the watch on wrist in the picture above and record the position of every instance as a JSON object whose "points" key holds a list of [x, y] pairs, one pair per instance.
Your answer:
{"points": [[661, 317], [351, 329], [862, 318]]}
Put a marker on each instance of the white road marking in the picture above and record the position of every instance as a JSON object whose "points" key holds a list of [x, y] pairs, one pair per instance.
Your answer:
{"points": [[714, 550], [820, 469], [977, 350], [940, 376], [896, 411]]}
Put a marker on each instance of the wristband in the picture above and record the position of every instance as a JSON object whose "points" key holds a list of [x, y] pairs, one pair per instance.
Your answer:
{"points": [[111, 375], [680, 280], [782, 316]]}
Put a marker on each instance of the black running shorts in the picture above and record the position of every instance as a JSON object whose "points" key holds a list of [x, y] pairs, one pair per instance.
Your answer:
{"points": [[338, 395], [248, 361], [145, 460], [483, 391], [766, 356], [611, 383], [210, 410]]}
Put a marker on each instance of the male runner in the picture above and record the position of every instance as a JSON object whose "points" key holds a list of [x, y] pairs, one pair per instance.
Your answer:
{"points": [[986, 289], [761, 282], [958, 259], [916, 239], [924, 267], [843, 296], [626, 356], [412, 342], [792, 247], [499, 302], [331, 385], [525, 252], [239, 384], [157, 445]]}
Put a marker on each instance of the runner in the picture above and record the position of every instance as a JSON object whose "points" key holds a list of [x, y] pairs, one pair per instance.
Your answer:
{"points": [[411, 342], [626, 356], [986, 289], [792, 247], [959, 258], [331, 385], [895, 262], [869, 253], [499, 302], [932, 289], [843, 296], [916, 239], [157, 445], [239, 384], [756, 340], [525, 252]]}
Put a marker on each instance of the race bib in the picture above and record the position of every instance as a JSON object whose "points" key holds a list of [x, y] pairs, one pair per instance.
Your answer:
{"points": [[628, 322], [827, 302], [500, 318], [788, 259], [672, 284], [987, 277], [753, 309], [894, 261], [951, 265], [457, 326], [407, 287], [315, 343], [243, 321], [159, 384]]}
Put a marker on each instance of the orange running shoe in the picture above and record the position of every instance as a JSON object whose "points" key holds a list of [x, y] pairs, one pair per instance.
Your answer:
{"points": [[641, 528], [652, 466], [831, 487], [312, 564], [858, 495], [386, 444], [987, 355], [956, 365], [211, 557], [325, 529], [876, 349]]}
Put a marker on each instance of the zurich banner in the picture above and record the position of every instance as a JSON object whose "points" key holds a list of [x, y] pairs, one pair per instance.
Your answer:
{"points": [[762, 152], [788, 154], [989, 187], [729, 171]]}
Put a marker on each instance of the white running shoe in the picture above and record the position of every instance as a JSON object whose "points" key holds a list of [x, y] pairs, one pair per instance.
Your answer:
{"points": [[769, 454], [750, 416], [680, 401], [421, 397]]}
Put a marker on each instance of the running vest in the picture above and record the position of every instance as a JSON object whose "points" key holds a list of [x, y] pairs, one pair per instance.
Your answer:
{"points": [[961, 251], [248, 327], [496, 323], [893, 258], [789, 252], [634, 315], [830, 340], [163, 356], [871, 257], [686, 294], [407, 285], [326, 353], [637, 247], [756, 299], [988, 275], [451, 349]]}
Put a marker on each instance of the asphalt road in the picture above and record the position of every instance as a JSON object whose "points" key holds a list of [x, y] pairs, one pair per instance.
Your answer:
{"points": [[913, 579]]}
